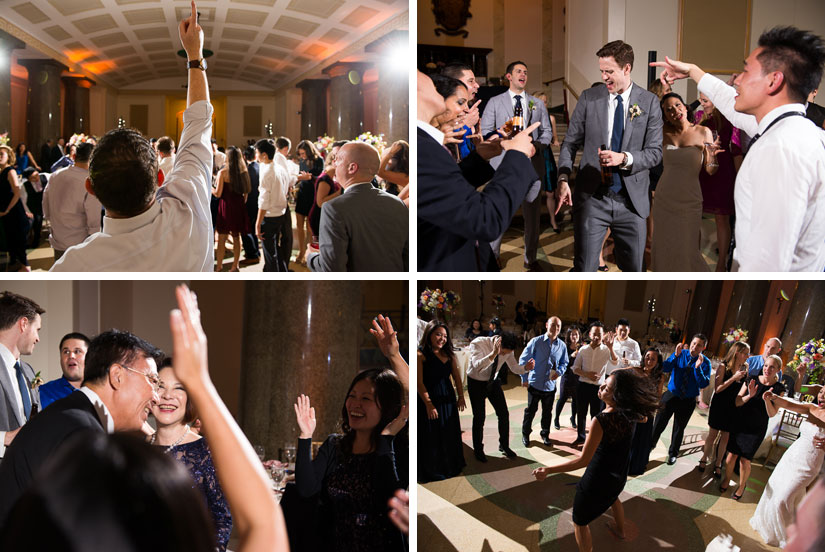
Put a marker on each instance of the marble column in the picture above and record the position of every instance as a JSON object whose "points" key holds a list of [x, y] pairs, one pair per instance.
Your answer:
{"points": [[346, 103], [43, 104], [703, 308], [76, 108], [299, 337], [313, 107], [806, 319], [393, 87], [7, 44], [745, 309]]}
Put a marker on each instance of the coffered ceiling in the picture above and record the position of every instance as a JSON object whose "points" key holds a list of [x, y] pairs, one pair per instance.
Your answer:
{"points": [[264, 42]]}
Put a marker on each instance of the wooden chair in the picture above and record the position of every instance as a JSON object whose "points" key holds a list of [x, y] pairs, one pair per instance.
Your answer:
{"points": [[788, 430]]}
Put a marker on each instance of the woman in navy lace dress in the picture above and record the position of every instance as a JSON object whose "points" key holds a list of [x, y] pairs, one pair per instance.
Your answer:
{"points": [[354, 473], [630, 397], [174, 414]]}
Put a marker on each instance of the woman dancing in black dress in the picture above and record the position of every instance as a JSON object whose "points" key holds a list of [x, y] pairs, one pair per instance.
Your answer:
{"points": [[629, 397], [729, 373], [651, 368], [569, 381], [440, 450], [751, 422]]}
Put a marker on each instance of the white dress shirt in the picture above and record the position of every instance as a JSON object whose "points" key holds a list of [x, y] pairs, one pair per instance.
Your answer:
{"points": [[9, 362], [219, 159], [592, 361], [100, 408], [291, 169], [175, 233], [73, 212], [480, 362], [166, 165], [628, 349], [273, 189], [436, 134], [611, 112], [780, 188]]}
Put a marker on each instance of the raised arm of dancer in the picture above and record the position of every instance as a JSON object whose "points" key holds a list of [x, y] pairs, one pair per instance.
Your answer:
{"points": [[387, 339], [258, 518]]}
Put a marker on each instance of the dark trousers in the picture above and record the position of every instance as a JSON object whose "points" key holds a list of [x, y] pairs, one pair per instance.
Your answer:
{"points": [[277, 242], [567, 389], [479, 391], [587, 395], [592, 216], [250, 241], [534, 397], [683, 409]]}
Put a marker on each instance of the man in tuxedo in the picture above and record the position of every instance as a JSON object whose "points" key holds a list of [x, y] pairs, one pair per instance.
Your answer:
{"points": [[19, 333], [364, 229], [456, 223], [117, 394], [620, 127], [499, 110]]}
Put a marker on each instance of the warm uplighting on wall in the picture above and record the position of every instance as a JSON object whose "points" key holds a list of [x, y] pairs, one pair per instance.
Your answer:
{"points": [[77, 56], [99, 67]]}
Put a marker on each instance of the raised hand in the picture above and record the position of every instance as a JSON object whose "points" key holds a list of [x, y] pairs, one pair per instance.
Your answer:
{"points": [[698, 362], [305, 414], [608, 339], [397, 424], [752, 388], [400, 510], [453, 136], [188, 340], [522, 141], [673, 70], [768, 395], [679, 348], [385, 335], [540, 474], [740, 375], [191, 35], [489, 148], [496, 345]]}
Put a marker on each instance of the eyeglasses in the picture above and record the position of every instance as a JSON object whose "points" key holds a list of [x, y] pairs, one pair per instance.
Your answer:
{"points": [[153, 379]]}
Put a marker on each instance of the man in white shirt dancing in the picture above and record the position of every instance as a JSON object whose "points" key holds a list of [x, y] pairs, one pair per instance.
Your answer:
{"points": [[590, 365], [780, 188]]}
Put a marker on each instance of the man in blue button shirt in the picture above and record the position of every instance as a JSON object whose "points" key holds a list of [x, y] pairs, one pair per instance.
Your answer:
{"points": [[73, 349], [689, 372], [550, 355], [755, 363]]}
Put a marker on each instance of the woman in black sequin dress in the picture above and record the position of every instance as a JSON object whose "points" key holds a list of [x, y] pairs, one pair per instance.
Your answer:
{"points": [[354, 473], [629, 397], [174, 414]]}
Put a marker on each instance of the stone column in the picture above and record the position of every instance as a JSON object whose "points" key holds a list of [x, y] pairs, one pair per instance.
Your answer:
{"points": [[747, 304], [76, 108], [346, 103], [7, 44], [806, 319], [702, 314], [43, 104], [393, 88], [313, 108], [299, 337]]}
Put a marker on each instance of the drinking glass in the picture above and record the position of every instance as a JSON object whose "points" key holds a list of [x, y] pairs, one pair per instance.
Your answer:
{"points": [[260, 451]]}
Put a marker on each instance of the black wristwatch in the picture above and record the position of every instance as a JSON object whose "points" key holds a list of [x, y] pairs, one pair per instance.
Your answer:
{"points": [[198, 64]]}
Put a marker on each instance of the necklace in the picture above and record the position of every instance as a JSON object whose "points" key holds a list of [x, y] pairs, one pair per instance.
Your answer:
{"points": [[176, 443]]}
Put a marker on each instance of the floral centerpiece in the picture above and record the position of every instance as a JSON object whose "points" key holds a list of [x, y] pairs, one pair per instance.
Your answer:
{"points": [[439, 302], [666, 323], [667, 329], [811, 355], [4, 139], [324, 144], [78, 139], [735, 334], [375, 141]]}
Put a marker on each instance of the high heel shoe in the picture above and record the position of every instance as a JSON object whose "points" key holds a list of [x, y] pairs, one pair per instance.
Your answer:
{"points": [[717, 472]]}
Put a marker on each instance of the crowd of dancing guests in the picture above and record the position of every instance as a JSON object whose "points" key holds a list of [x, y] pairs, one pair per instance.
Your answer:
{"points": [[687, 160], [631, 397]]}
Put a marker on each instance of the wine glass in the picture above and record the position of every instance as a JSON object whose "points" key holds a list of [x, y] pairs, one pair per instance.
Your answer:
{"points": [[260, 451], [278, 474], [289, 454], [712, 144]]}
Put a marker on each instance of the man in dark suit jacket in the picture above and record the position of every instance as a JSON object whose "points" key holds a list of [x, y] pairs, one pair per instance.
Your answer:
{"points": [[364, 229], [455, 222], [250, 241], [19, 333], [119, 389], [619, 127]]}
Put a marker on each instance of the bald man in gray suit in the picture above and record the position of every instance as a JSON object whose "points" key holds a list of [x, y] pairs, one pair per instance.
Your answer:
{"points": [[364, 229]]}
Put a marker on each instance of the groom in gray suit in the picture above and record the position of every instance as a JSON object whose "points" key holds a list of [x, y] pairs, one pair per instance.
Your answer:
{"points": [[19, 333], [620, 126], [499, 110]]}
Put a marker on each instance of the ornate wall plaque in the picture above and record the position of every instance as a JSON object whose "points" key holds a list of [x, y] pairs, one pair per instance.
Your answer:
{"points": [[452, 15]]}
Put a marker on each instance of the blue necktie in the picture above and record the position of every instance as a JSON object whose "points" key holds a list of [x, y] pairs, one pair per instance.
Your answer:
{"points": [[616, 142], [24, 390]]}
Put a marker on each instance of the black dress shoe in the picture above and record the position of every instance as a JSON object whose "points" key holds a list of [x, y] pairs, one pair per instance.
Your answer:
{"points": [[525, 440], [671, 460], [480, 456], [573, 423], [546, 441], [577, 442], [508, 452], [533, 267], [557, 426]]}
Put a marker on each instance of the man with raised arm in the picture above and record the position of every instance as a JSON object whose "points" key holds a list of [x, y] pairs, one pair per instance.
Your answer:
{"points": [[146, 229], [780, 187]]}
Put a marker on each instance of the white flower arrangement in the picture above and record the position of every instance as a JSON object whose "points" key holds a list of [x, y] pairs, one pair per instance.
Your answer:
{"points": [[634, 111]]}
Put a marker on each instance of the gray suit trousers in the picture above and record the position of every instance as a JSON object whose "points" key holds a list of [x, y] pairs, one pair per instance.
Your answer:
{"points": [[592, 216]]}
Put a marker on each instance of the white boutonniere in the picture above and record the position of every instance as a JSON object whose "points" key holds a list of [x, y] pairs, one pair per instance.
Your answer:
{"points": [[634, 111]]}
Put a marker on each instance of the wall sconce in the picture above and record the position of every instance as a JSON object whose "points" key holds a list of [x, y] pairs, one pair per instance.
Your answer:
{"points": [[783, 296]]}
